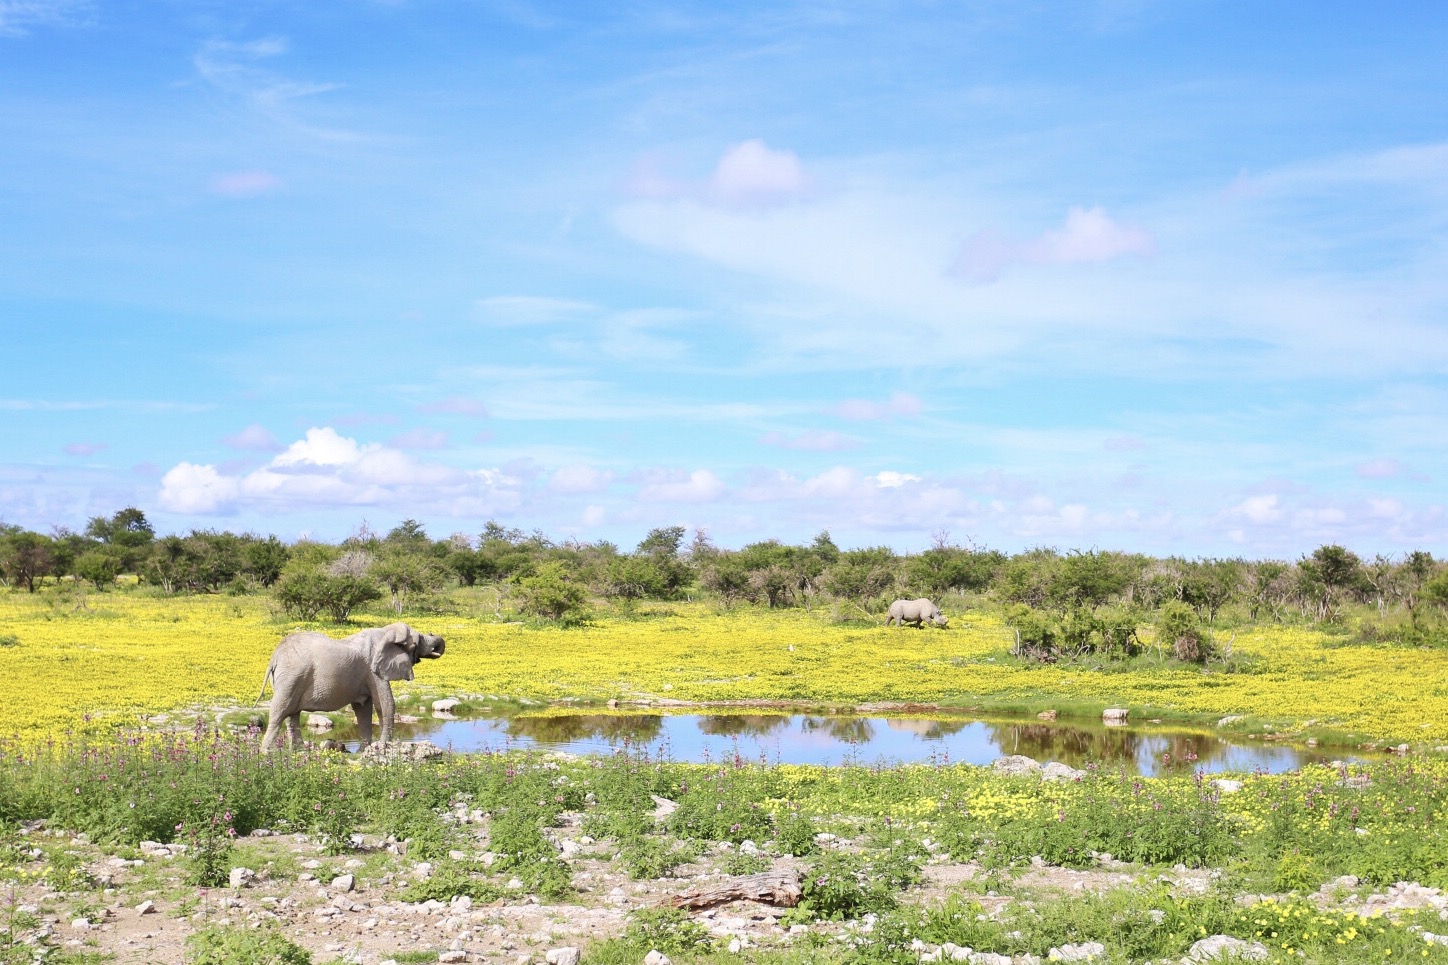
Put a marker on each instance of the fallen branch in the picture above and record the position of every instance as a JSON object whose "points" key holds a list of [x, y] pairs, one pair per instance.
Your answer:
{"points": [[769, 888]]}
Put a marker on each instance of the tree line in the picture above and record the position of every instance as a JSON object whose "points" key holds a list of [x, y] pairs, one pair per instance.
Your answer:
{"points": [[1059, 603]]}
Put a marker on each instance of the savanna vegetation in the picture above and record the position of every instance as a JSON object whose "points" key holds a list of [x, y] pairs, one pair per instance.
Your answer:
{"points": [[111, 637]]}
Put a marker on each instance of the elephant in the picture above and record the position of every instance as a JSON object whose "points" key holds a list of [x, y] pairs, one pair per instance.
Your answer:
{"points": [[312, 671], [914, 611]]}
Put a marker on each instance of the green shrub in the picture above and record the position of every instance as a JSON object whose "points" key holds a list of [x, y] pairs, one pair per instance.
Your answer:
{"points": [[223, 945]]}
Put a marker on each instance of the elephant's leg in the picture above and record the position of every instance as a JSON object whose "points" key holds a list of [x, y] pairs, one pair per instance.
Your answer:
{"points": [[363, 710], [386, 708], [294, 730], [273, 728]]}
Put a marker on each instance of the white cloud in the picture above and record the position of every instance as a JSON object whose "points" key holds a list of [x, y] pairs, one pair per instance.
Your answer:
{"points": [[1089, 236], [323, 447], [84, 448], [328, 470], [201, 490], [699, 486], [752, 173], [749, 177], [1258, 509], [893, 480], [580, 478], [18, 17]]}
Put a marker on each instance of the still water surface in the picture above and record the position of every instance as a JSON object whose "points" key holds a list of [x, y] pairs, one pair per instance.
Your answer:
{"points": [[818, 739]]}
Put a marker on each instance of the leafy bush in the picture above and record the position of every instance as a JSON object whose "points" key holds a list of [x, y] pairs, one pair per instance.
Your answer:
{"points": [[1180, 628], [224, 945], [452, 879], [305, 593]]}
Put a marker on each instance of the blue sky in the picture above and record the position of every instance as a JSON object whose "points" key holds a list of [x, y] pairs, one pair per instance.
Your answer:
{"points": [[1167, 277]]}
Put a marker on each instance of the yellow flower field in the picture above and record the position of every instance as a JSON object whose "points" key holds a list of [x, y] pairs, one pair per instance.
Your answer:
{"points": [[133, 654]]}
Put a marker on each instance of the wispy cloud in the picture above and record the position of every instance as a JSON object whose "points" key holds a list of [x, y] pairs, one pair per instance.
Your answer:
{"points": [[457, 405], [1089, 236], [900, 404], [19, 17], [85, 448], [812, 440], [239, 68], [254, 437]]}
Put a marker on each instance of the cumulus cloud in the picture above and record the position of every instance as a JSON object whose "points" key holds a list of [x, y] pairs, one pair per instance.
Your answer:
{"points": [[699, 486], [859, 410], [813, 440], [580, 479], [84, 448], [254, 438], [1258, 509], [327, 470], [893, 480], [245, 184], [749, 175], [200, 490], [1088, 236], [752, 173]]}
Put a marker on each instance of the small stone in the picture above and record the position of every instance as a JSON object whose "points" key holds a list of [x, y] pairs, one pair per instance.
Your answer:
{"points": [[1112, 713], [81, 924], [567, 955], [147, 907], [1082, 952], [657, 957], [1048, 715], [344, 882], [240, 877], [453, 955], [445, 706], [1016, 765], [319, 722]]}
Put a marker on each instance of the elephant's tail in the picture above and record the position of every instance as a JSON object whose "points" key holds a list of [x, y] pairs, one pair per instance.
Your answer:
{"points": [[270, 675]]}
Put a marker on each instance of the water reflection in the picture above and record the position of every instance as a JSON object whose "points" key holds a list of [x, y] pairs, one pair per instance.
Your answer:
{"points": [[837, 739]]}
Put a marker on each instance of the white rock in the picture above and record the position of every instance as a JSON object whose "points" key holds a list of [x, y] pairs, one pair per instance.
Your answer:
{"points": [[988, 958], [240, 877], [1227, 948], [1111, 713], [344, 882], [319, 722], [1226, 785], [146, 907], [1016, 765], [657, 957], [734, 946], [81, 924], [1055, 771], [1081, 952], [567, 955], [453, 955], [446, 705]]}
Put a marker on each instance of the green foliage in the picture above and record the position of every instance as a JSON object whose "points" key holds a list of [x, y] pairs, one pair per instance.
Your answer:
{"points": [[1179, 630], [305, 592], [666, 930], [552, 593], [840, 885], [229, 945], [451, 879]]}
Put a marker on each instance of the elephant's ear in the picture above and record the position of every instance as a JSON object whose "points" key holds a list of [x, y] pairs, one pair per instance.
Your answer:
{"points": [[390, 661], [400, 634]]}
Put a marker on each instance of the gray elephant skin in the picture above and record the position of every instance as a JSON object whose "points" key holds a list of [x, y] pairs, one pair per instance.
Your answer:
{"points": [[914, 612], [314, 672]]}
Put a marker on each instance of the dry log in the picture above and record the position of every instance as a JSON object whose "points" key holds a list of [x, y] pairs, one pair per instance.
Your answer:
{"points": [[769, 888]]}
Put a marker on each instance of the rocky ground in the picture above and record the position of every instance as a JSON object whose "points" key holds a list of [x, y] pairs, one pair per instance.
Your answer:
{"points": [[135, 907]]}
